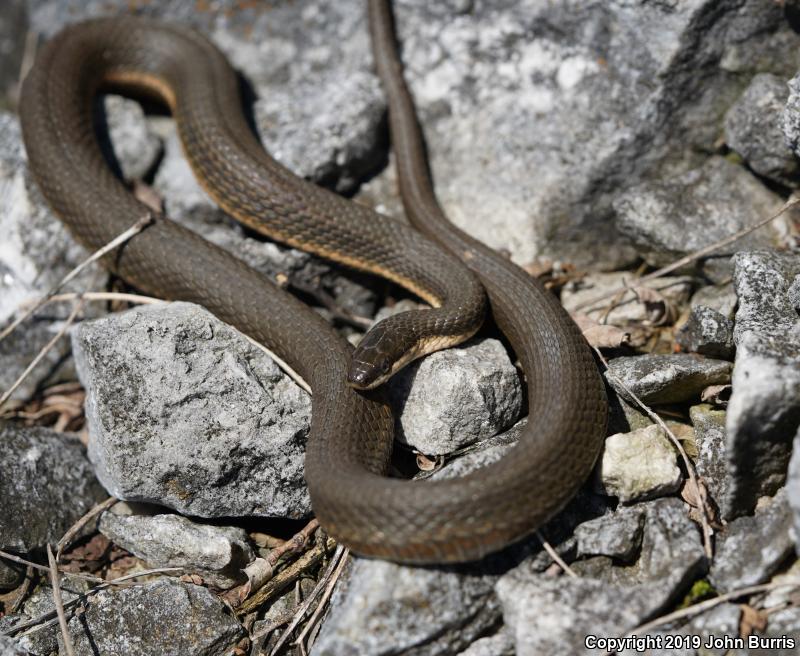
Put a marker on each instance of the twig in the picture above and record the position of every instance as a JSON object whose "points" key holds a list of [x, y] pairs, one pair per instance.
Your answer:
{"points": [[45, 350], [696, 255], [286, 577], [704, 519], [23, 591], [295, 543], [77, 526], [703, 606], [322, 602], [59, 602], [135, 229], [139, 299], [303, 608], [44, 568], [43, 620], [554, 555]]}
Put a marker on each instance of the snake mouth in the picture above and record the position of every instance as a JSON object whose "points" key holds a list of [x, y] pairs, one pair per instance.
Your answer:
{"points": [[366, 375]]}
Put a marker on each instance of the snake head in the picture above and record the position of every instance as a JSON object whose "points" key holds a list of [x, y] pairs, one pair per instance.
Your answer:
{"points": [[379, 355]]}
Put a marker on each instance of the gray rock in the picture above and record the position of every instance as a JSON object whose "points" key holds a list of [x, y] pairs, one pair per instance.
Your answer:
{"points": [[764, 410], [793, 487], [794, 293], [499, 644], [500, 81], [791, 115], [136, 148], [711, 461], [638, 465], [752, 548], [666, 378], [628, 309], [163, 617], [617, 535], [754, 129], [13, 30], [10, 647], [217, 553], [46, 484], [183, 411], [554, 616], [707, 332], [668, 219], [721, 298], [714, 624], [455, 397], [43, 641], [35, 253], [440, 610]]}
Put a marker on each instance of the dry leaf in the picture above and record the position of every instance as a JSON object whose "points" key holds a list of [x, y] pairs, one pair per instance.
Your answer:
{"points": [[717, 395], [149, 196], [424, 463], [539, 268], [659, 311], [601, 335], [751, 620]]}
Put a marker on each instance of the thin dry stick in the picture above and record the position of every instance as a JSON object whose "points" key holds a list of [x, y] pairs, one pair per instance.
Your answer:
{"points": [[295, 543], [703, 606], [303, 609], [691, 257], [77, 526], [23, 590], [704, 520], [45, 350], [44, 568], [135, 229], [139, 299], [324, 601], [42, 620], [59, 602], [554, 555]]}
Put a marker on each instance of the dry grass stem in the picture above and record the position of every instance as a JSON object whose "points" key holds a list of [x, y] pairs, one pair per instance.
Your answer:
{"points": [[554, 555], [55, 579], [705, 520], [696, 255], [135, 229], [44, 351], [302, 609], [703, 606], [323, 602]]}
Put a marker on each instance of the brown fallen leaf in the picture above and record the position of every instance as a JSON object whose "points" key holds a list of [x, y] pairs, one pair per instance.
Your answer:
{"points": [[601, 335], [718, 395], [751, 620], [659, 311]]}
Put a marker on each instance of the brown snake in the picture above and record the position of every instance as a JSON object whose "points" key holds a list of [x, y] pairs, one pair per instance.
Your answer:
{"points": [[351, 431]]}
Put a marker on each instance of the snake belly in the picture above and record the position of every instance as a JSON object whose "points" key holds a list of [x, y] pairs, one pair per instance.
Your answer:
{"points": [[351, 432]]}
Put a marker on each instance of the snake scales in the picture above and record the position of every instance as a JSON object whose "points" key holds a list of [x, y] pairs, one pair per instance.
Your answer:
{"points": [[351, 431]]}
